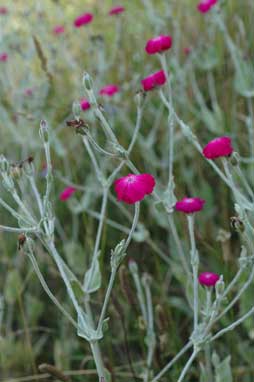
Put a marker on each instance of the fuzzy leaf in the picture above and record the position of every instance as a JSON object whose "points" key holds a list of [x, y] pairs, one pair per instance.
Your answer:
{"points": [[222, 369], [85, 330], [92, 281]]}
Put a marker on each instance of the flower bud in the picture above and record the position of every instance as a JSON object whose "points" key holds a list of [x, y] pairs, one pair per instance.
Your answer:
{"points": [[44, 131], [133, 266], [219, 287], [87, 81], [234, 159], [139, 98], [76, 109], [8, 183], [4, 165], [28, 167], [118, 254]]}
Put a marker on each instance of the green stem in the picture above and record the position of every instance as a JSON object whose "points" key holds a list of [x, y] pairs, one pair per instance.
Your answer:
{"points": [[187, 366], [172, 362], [195, 264]]}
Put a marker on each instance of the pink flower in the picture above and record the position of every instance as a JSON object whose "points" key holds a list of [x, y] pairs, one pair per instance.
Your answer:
{"points": [[205, 5], [67, 193], [3, 57], [208, 278], [116, 10], [109, 90], [84, 104], [58, 29], [3, 10], [28, 92], [218, 147], [186, 51], [190, 205], [133, 188], [154, 80], [84, 19], [158, 44]]}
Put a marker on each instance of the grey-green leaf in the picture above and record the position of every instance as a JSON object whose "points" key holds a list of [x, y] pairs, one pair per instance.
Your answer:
{"points": [[92, 281], [222, 369]]}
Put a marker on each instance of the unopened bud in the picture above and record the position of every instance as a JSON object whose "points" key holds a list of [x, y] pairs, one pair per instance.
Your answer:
{"points": [[219, 287], [234, 159], [87, 81], [4, 165], [139, 98], [133, 266], [76, 109], [44, 131]]}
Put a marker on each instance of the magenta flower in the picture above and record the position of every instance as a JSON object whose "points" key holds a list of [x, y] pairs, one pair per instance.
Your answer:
{"points": [[190, 205], [186, 51], [85, 18], [58, 29], [208, 279], [158, 44], [116, 10], [154, 80], [84, 104], [3, 10], [218, 147], [3, 57], [205, 5], [67, 193], [28, 92], [133, 188], [109, 90]]}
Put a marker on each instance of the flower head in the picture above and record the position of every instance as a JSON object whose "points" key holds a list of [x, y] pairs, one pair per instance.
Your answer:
{"points": [[3, 57], [187, 50], [116, 10], [190, 205], [58, 29], [109, 90], [154, 80], [218, 147], [158, 44], [84, 104], [85, 18], [205, 5], [28, 92], [208, 279], [3, 10], [133, 188], [67, 193]]}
